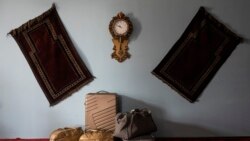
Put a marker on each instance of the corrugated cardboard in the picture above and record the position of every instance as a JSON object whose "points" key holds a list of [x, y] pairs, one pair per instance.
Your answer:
{"points": [[100, 111]]}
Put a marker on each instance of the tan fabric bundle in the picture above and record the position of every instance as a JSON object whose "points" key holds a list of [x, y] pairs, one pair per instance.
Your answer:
{"points": [[66, 134], [97, 135]]}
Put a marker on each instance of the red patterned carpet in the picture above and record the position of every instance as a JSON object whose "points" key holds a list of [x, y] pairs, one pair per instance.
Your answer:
{"points": [[19, 139], [161, 139], [206, 139]]}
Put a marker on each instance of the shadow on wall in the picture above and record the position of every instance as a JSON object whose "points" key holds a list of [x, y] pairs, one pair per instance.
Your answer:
{"points": [[245, 40], [165, 128], [3, 130], [1, 125], [136, 27]]}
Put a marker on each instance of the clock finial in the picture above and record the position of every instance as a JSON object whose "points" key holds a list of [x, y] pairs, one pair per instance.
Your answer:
{"points": [[120, 15]]}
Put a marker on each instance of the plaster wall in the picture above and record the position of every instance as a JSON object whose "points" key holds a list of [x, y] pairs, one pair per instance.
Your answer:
{"points": [[221, 110]]}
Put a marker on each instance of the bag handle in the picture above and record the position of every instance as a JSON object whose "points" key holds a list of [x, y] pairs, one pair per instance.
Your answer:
{"points": [[99, 92], [102, 91], [140, 110]]}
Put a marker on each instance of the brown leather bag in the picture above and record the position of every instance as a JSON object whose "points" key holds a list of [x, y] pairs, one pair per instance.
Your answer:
{"points": [[135, 123]]}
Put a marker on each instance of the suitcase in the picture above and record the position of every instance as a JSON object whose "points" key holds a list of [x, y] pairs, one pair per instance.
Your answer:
{"points": [[66, 134], [100, 111]]}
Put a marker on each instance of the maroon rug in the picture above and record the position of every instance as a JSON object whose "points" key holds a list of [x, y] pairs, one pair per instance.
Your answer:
{"points": [[197, 55], [52, 56]]}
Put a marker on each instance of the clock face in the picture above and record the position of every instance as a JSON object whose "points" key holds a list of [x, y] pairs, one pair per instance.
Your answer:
{"points": [[120, 27]]}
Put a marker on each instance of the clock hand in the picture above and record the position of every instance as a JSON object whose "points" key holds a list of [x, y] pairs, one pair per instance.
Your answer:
{"points": [[119, 26]]}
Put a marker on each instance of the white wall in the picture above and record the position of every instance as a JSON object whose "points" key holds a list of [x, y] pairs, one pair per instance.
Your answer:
{"points": [[222, 109]]}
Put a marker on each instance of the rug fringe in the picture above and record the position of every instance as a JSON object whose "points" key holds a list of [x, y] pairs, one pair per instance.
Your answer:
{"points": [[30, 23], [71, 92]]}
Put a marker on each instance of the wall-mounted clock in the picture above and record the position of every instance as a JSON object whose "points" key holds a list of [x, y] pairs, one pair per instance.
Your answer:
{"points": [[120, 28]]}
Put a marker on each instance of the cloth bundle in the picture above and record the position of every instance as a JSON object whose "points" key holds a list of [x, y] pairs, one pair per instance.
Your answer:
{"points": [[66, 134], [97, 135]]}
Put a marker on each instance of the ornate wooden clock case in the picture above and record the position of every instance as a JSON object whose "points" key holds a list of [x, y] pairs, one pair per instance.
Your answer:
{"points": [[120, 28]]}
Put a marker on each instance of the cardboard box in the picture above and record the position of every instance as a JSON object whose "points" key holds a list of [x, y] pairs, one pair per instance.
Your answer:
{"points": [[100, 111]]}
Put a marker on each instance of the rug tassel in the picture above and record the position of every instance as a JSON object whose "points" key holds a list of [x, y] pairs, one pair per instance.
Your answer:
{"points": [[30, 23]]}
